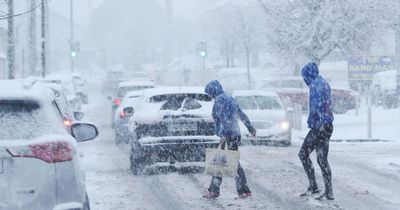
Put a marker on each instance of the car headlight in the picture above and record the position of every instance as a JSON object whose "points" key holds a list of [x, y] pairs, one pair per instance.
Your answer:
{"points": [[285, 125]]}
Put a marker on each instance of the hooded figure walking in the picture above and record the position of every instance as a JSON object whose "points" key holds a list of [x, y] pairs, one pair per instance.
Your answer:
{"points": [[319, 121], [226, 113]]}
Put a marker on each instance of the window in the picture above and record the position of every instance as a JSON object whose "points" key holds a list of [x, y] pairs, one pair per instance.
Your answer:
{"points": [[246, 102]]}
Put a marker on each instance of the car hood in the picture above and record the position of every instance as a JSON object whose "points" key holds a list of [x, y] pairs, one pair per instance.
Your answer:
{"points": [[266, 115]]}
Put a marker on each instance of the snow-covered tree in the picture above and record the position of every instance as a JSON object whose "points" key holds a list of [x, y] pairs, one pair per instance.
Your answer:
{"points": [[236, 27], [311, 29]]}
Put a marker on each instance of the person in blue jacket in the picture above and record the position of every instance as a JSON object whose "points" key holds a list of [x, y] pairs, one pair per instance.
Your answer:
{"points": [[226, 113], [319, 121]]}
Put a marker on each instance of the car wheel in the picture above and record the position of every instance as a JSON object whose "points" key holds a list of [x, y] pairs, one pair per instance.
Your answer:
{"points": [[118, 138], [136, 166], [86, 205], [287, 143], [85, 100]]}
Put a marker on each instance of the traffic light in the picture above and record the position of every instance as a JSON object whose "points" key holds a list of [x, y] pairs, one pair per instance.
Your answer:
{"points": [[75, 48], [73, 53], [203, 53], [202, 49]]}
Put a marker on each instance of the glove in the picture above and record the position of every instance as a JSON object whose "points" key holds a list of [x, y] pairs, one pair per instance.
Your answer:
{"points": [[252, 131]]}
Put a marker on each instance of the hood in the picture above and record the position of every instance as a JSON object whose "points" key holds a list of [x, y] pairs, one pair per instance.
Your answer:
{"points": [[214, 88], [310, 72]]}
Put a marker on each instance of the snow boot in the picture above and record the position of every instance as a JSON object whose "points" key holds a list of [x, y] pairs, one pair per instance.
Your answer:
{"points": [[325, 196], [310, 191], [245, 195], [211, 195]]}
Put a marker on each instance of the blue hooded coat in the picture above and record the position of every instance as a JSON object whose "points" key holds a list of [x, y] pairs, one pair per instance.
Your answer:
{"points": [[226, 112], [320, 102]]}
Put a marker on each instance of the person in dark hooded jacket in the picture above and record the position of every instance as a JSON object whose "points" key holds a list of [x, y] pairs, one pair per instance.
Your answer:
{"points": [[319, 121], [226, 113]]}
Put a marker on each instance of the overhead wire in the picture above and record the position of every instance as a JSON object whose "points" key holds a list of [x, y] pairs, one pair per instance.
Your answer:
{"points": [[20, 14]]}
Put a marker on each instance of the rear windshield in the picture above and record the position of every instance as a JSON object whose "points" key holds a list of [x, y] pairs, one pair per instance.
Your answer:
{"points": [[181, 101], [292, 84], [258, 102], [114, 75], [124, 90], [24, 119]]}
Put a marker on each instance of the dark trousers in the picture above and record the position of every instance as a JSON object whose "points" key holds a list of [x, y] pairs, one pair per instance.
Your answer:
{"points": [[317, 139], [240, 178]]}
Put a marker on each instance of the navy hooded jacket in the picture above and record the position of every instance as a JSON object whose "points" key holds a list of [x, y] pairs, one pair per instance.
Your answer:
{"points": [[226, 112], [320, 103]]}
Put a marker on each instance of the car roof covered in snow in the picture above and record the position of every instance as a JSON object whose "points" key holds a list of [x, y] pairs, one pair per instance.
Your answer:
{"points": [[25, 89], [134, 93], [136, 83], [254, 93], [59, 76], [173, 90]]}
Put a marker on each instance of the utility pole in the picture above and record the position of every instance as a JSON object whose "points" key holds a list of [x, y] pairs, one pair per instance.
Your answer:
{"points": [[11, 40], [71, 41], [43, 37], [397, 59], [32, 40]]}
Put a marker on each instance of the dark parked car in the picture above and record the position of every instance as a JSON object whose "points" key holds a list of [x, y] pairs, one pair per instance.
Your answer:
{"points": [[171, 125], [293, 90]]}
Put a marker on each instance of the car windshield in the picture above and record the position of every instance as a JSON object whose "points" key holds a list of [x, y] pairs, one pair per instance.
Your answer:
{"points": [[123, 90], [246, 102], [265, 103], [258, 102], [115, 75], [291, 84], [25, 116], [177, 101]]}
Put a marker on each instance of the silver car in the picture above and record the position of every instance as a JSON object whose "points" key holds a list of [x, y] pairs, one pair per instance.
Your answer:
{"points": [[268, 116], [39, 160]]}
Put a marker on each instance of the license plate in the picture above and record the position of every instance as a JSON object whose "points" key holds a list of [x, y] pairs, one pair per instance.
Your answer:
{"points": [[182, 127]]}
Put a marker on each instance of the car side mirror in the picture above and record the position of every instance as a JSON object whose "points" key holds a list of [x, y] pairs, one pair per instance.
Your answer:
{"points": [[84, 131], [128, 111], [79, 116]]}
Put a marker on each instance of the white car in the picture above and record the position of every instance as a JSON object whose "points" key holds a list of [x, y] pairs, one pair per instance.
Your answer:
{"points": [[121, 116], [80, 87], [40, 165], [384, 89], [125, 87], [170, 125], [267, 114], [68, 87]]}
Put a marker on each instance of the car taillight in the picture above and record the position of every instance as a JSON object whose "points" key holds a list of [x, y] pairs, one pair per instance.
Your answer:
{"points": [[122, 115], [67, 123], [52, 152], [117, 101]]}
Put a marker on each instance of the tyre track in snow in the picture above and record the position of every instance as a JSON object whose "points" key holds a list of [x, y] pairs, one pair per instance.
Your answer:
{"points": [[256, 201], [350, 195], [163, 194], [109, 184], [285, 201], [291, 175], [155, 186], [214, 202]]}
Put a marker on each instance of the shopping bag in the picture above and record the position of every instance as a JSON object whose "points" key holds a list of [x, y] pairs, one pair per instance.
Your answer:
{"points": [[222, 162]]}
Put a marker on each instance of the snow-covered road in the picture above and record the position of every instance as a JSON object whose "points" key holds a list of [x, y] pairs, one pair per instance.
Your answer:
{"points": [[365, 176]]}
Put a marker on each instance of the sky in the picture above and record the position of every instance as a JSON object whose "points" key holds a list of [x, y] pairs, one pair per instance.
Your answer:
{"points": [[82, 9]]}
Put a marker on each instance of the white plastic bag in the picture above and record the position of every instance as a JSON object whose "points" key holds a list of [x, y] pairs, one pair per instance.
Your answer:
{"points": [[222, 162]]}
